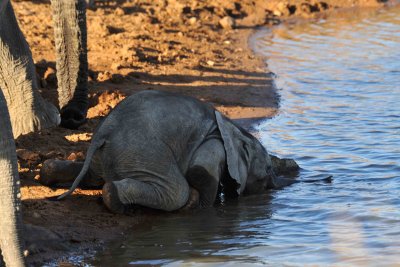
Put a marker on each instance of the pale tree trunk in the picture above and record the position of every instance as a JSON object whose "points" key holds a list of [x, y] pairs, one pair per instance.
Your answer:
{"points": [[28, 110], [69, 18], [10, 196]]}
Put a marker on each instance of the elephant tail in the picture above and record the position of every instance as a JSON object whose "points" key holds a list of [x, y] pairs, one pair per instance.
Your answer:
{"points": [[96, 144]]}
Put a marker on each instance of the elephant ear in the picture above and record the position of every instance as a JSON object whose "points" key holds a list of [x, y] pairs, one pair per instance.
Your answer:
{"points": [[236, 153]]}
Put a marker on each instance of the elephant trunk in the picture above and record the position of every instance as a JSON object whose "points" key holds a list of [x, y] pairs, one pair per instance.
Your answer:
{"points": [[70, 32], [28, 110], [10, 203]]}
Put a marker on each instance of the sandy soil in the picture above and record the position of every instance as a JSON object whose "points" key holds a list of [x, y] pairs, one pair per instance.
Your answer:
{"points": [[197, 48]]}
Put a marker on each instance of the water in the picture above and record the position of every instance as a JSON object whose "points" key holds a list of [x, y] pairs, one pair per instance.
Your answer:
{"points": [[340, 115]]}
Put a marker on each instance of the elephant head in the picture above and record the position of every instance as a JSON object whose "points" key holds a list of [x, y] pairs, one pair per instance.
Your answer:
{"points": [[249, 164]]}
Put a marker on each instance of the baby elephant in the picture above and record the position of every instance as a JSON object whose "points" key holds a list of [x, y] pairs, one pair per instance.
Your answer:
{"points": [[155, 146]]}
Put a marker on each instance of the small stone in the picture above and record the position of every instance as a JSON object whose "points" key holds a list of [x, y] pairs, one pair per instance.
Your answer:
{"points": [[210, 63], [277, 13], [192, 20], [36, 215], [72, 156], [283, 8], [227, 42], [114, 30], [119, 11], [180, 34], [227, 22]]}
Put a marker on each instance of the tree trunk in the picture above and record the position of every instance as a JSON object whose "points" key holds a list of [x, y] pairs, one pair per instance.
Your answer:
{"points": [[10, 202], [69, 18], [28, 110]]}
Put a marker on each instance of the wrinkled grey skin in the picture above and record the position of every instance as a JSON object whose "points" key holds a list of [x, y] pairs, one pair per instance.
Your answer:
{"points": [[155, 145], [10, 203], [28, 110], [69, 17], [14, 235]]}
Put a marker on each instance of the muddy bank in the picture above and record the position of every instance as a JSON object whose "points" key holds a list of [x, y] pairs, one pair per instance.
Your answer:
{"points": [[198, 48]]}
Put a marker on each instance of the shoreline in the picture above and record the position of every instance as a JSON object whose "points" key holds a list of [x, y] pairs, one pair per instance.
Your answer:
{"points": [[197, 57]]}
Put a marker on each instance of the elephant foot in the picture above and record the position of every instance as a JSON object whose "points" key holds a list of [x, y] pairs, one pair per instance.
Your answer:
{"points": [[111, 199], [38, 239], [72, 117], [56, 171], [193, 201]]}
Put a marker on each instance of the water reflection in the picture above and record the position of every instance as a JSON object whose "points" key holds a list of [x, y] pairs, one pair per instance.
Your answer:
{"points": [[340, 87], [339, 115], [205, 236]]}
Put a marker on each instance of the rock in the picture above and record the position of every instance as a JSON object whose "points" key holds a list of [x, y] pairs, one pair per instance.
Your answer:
{"points": [[210, 63], [282, 9], [227, 22], [119, 11], [72, 156], [192, 20], [114, 30]]}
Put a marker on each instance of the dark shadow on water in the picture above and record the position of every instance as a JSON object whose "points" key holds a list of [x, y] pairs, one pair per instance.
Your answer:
{"points": [[202, 236]]}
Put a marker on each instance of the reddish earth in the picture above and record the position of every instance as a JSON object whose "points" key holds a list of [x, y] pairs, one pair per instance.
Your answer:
{"points": [[197, 48]]}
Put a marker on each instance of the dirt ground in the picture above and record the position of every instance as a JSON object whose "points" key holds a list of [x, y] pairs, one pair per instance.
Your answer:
{"points": [[198, 48]]}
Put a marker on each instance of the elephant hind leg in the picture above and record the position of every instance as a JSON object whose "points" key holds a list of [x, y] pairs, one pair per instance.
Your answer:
{"points": [[64, 172], [205, 171], [111, 199], [56, 171], [130, 191]]}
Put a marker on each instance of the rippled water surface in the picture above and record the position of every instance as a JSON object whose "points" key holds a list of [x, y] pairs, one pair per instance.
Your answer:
{"points": [[340, 115]]}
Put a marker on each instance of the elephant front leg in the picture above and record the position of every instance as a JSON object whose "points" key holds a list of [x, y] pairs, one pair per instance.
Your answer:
{"points": [[193, 201], [72, 65], [169, 196], [28, 110], [206, 169]]}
